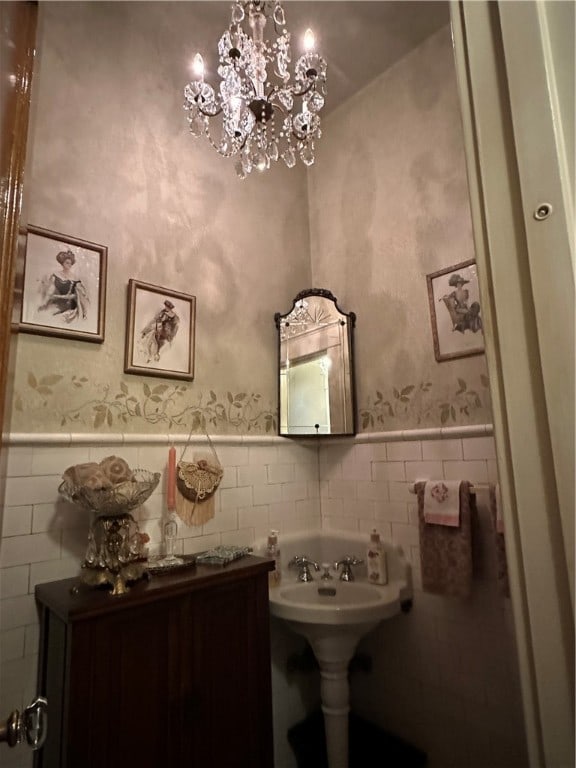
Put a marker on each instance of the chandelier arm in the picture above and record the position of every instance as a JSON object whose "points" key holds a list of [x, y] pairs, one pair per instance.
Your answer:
{"points": [[277, 105], [208, 114], [306, 90], [300, 137], [276, 89], [218, 149], [249, 80]]}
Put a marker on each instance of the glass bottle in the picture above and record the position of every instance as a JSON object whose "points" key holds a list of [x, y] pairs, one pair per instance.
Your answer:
{"points": [[170, 532]]}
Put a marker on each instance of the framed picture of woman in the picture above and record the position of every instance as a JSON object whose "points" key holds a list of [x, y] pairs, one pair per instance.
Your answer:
{"points": [[455, 312], [64, 288], [160, 328]]}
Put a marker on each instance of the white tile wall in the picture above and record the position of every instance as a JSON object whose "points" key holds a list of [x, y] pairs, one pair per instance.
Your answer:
{"points": [[32, 548], [441, 665], [17, 521], [436, 670], [14, 581], [44, 537], [442, 449]]}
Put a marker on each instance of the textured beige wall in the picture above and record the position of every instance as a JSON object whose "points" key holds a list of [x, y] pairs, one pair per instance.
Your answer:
{"points": [[112, 162], [389, 205]]}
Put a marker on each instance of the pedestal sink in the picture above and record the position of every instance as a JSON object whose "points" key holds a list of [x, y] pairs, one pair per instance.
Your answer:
{"points": [[333, 616]]}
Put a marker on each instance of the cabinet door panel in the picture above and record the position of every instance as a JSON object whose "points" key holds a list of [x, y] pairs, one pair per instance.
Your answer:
{"points": [[121, 675], [229, 676]]}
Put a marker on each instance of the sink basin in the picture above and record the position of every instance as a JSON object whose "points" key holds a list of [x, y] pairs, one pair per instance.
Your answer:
{"points": [[335, 602]]}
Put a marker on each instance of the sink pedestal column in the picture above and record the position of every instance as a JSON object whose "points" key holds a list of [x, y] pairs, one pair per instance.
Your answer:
{"points": [[334, 693], [333, 652]]}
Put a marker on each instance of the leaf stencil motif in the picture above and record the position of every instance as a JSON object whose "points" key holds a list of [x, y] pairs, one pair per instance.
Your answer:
{"points": [[76, 403], [138, 404], [416, 405]]}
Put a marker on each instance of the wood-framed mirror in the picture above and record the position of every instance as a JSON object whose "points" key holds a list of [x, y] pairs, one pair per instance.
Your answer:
{"points": [[316, 385]]}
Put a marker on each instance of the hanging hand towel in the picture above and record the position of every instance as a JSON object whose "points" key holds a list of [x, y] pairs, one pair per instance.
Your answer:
{"points": [[446, 550], [498, 526], [442, 502]]}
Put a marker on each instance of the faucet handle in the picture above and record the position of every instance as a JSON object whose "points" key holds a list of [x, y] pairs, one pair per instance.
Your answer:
{"points": [[347, 562], [302, 562], [298, 561]]}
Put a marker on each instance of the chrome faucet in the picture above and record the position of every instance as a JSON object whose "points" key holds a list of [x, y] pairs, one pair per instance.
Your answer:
{"points": [[303, 563], [347, 563]]}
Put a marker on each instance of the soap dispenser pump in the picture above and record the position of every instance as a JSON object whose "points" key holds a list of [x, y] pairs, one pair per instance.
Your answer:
{"points": [[273, 551], [376, 560]]}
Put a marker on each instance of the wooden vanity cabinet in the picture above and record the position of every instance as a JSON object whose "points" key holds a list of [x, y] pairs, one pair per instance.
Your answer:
{"points": [[174, 673]]}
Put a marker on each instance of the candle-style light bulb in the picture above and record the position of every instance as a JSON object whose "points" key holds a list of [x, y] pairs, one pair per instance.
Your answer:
{"points": [[198, 67], [309, 40]]}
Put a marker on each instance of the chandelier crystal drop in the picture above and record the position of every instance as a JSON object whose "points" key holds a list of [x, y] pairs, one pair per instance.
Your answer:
{"points": [[259, 113]]}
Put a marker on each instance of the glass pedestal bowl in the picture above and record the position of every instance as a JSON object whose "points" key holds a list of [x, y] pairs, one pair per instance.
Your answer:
{"points": [[115, 553]]}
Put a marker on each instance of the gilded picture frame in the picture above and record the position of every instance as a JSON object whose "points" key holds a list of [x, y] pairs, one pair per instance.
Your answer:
{"points": [[160, 332], [64, 286], [455, 311]]}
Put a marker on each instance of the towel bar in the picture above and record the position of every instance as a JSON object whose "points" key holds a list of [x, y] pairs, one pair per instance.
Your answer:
{"points": [[473, 489]]}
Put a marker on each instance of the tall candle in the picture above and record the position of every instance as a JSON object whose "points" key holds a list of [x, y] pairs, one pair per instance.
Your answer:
{"points": [[171, 480]]}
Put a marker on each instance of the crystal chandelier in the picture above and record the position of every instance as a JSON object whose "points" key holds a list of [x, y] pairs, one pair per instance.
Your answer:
{"points": [[260, 114]]}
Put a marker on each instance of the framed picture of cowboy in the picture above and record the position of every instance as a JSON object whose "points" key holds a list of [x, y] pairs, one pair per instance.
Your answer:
{"points": [[455, 312], [160, 329], [64, 287]]}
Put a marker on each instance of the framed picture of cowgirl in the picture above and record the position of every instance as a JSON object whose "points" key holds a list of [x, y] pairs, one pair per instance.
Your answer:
{"points": [[455, 312], [64, 288]]}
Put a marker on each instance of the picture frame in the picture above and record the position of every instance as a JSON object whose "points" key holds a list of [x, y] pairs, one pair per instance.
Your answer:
{"points": [[160, 332], [64, 286], [455, 311]]}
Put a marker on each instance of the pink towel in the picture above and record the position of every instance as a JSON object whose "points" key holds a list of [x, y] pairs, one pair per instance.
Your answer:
{"points": [[446, 550], [442, 502]]}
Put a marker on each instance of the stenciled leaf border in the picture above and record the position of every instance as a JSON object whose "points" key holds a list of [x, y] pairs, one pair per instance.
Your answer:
{"points": [[163, 404]]}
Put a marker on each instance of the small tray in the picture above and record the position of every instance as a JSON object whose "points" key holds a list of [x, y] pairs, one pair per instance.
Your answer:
{"points": [[222, 555], [157, 570]]}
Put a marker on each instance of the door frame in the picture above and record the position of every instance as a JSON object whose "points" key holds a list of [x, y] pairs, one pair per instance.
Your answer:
{"points": [[506, 80], [17, 54]]}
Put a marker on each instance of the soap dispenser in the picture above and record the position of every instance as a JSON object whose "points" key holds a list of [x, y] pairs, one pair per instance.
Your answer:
{"points": [[376, 560], [273, 551]]}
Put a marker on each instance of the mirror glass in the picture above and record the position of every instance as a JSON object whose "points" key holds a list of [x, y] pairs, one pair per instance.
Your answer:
{"points": [[316, 371]]}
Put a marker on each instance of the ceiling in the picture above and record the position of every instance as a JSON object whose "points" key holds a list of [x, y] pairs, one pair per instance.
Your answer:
{"points": [[358, 39]]}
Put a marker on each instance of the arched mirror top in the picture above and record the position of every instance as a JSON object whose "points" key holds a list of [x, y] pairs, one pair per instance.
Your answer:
{"points": [[311, 309], [316, 367]]}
